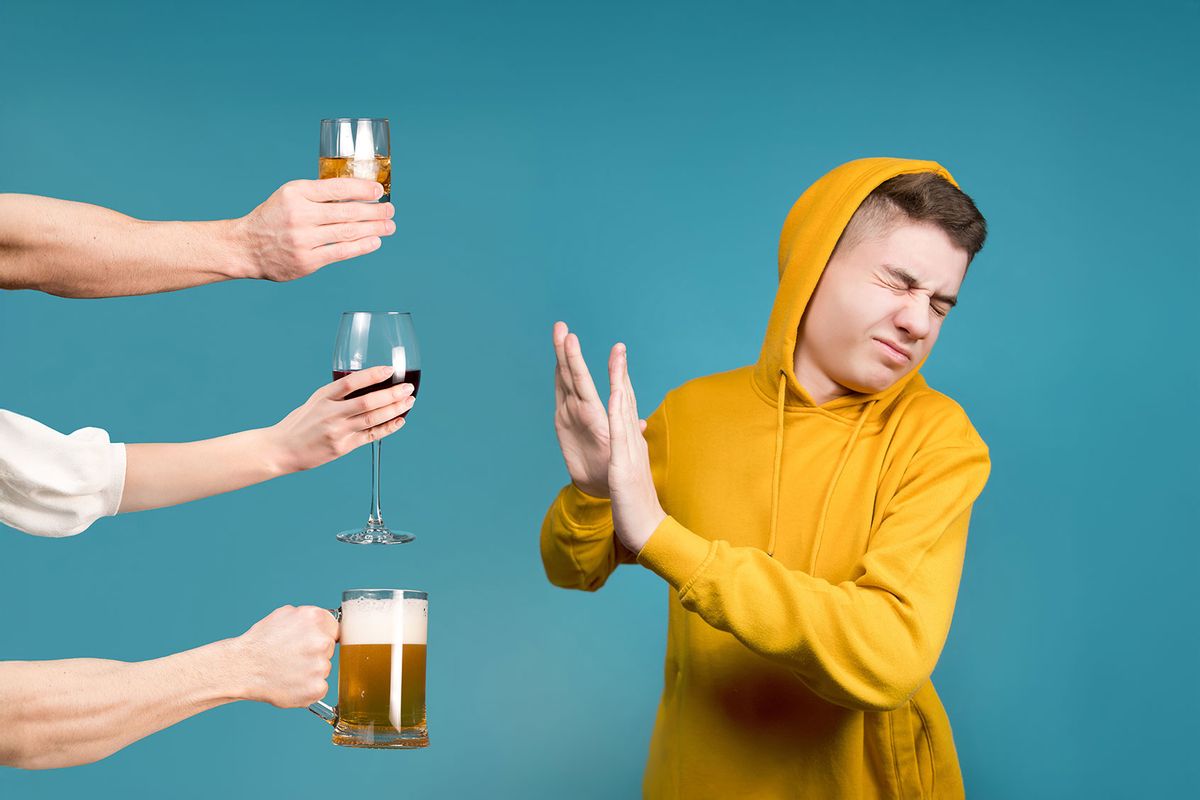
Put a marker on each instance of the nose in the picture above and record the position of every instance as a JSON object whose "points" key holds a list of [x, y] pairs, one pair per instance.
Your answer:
{"points": [[913, 316]]}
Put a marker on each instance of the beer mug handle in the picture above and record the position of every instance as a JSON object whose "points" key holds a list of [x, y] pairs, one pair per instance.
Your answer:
{"points": [[321, 708]]}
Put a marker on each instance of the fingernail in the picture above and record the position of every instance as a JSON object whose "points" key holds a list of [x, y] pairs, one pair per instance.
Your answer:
{"points": [[391, 227]]}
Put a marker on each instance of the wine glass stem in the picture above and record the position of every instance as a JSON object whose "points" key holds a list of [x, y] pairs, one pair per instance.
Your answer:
{"points": [[376, 520]]}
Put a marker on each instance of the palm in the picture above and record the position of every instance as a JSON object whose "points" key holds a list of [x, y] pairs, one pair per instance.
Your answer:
{"points": [[579, 417], [582, 429]]}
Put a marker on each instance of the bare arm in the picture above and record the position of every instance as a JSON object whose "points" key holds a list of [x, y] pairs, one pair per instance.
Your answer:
{"points": [[76, 711], [324, 428], [80, 250]]}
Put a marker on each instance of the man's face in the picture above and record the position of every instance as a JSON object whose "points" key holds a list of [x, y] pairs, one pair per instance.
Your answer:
{"points": [[894, 290]]}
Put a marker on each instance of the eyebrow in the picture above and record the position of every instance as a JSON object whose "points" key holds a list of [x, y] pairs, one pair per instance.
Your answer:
{"points": [[910, 280]]}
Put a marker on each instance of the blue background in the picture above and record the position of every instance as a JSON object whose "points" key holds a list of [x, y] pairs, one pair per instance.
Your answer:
{"points": [[625, 167]]}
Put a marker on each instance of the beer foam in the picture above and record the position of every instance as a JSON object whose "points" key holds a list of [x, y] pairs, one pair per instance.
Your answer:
{"points": [[369, 620]]}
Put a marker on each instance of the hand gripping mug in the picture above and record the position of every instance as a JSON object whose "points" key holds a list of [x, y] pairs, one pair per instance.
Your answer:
{"points": [[381, 672]]}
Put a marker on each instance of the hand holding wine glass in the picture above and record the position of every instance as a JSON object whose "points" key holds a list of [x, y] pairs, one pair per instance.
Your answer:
{"points": [[338, 418]]}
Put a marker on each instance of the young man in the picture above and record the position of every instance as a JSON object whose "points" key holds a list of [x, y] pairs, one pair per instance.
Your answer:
{"points": [[809, 512]]}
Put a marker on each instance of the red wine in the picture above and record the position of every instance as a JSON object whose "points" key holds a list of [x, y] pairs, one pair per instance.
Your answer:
{"points": [[413, 376]]}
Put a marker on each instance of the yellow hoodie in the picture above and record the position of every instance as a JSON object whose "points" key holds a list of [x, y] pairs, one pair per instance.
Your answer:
{"points": [[813, 555]]}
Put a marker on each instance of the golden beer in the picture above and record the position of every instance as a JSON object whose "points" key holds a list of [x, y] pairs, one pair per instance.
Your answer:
{"points": [[367, 699]]}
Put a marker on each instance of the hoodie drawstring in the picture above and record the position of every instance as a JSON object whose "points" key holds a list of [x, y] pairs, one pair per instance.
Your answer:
{"points": [[778, 465], [837, 473]]}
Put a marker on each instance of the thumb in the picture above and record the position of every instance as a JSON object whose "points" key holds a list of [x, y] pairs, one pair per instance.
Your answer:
{"points": [[642, 422]]}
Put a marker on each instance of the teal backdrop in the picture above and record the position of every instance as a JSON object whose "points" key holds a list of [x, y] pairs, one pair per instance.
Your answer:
{"points": [[625, 167]]}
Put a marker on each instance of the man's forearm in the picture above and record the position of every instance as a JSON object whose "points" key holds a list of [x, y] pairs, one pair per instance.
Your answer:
{"points": [[80, 250], [76, 711], [160, 475]]}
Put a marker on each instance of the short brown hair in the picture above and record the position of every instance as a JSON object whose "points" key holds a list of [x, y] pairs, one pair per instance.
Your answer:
{"points": [[918, 197]]}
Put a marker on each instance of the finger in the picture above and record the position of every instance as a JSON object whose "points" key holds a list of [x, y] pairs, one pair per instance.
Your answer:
{"points": [[334, 189], [562, 373], [351, 231], [628, 406], [381, 431], [616, 401], [327, 254], [642, 423], [358, 379], [383, 414], [581, 378], [372, 401], [632, 404], [333, 213]]}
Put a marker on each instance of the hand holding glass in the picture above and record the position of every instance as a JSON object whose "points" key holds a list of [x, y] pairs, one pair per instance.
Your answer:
{"points": [[370, 339]]}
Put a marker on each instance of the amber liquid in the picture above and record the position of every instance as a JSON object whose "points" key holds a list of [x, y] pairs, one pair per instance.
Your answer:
{"points": [[378, 169], [365, 697]]}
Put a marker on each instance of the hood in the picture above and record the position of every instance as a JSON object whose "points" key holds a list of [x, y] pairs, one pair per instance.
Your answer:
{"points": [[811, 230]]}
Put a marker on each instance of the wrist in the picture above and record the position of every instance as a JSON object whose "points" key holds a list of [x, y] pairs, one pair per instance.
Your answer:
{"points": [[268, 446], [230, 666], [240, 259], [644, 529], [594, 492]]}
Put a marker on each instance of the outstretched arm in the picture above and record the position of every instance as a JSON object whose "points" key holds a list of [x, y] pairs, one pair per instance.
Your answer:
{"points": [[326, 427], [80, 250], [79, 710]]}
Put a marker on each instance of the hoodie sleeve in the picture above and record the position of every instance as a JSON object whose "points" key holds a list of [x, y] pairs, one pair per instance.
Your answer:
{"points": [[866, 644], [579, 547], [54, 484]]}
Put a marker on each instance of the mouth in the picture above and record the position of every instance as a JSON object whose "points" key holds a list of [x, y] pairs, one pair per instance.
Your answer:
{"points": [[894, 351]]}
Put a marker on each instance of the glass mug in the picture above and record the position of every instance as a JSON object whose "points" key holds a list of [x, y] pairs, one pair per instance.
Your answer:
{"points": [[381, 672]]}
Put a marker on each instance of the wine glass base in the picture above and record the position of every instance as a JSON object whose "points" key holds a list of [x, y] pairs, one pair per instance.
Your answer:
{"points": [[376, 536]]}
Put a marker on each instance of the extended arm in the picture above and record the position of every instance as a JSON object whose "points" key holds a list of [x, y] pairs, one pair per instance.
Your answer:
{"points": [[57, 485], [324, 428], [80, 250], [76, 711]]}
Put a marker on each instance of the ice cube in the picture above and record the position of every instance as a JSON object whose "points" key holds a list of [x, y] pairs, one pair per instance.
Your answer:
{"points": [[364, 142]]}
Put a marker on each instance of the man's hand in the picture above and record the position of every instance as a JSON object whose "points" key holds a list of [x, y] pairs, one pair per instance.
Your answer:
{"points": [[635, 507], [579, 417], [328, 426], [287, 655], [303, 226]]}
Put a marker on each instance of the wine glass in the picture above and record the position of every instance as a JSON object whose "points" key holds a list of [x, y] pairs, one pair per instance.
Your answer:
{"points": [[357, 147], [371, 339]]}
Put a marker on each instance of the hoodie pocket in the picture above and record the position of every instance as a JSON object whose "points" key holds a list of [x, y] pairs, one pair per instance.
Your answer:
{"points": [[913, 750]]}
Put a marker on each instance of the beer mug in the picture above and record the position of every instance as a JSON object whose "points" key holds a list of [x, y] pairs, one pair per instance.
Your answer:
{"points": [[381, 672]]}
